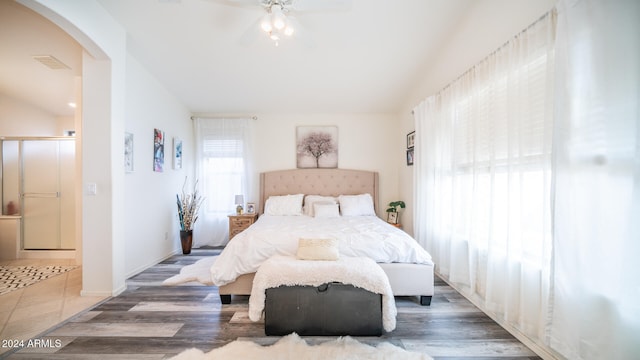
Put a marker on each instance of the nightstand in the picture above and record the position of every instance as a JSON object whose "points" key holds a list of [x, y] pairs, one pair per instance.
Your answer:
{"points": [[238, 223], [399, 226]]}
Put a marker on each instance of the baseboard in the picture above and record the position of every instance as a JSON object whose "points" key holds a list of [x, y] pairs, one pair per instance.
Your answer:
{"points": [[142, 268], [46, 254], [122, 288], [541, 350], [116, 292]]}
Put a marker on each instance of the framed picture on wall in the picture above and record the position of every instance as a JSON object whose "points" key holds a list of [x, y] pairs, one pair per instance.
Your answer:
{"points": [[316, 147], [128, 152], [410, 157], [177, 153], [411, 139], [158, 150]]}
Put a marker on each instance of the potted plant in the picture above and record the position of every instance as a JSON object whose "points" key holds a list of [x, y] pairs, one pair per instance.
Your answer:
{"points": [[188, 206], [393, 215]]}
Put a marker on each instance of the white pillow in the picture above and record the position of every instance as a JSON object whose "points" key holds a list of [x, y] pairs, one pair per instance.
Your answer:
{"points": [[317, 249], [322, 210], [284, 205], [356, 205], [309, 200]]}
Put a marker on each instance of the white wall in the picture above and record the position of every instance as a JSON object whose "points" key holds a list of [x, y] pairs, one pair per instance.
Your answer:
{"points": [[366, 142], [64, 124], [487, 26], [128, 225], [18, 118], [103, 95], [151, 230]]}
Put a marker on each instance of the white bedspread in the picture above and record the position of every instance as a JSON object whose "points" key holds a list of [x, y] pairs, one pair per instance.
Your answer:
{"points": [[357, 271], [366, 236]]}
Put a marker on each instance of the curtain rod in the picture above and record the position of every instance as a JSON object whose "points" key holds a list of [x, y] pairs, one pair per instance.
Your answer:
{"points": [[225, 117], [552, 12]]}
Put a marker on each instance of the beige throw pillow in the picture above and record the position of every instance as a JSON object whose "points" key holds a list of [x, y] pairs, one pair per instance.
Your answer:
{"points": [[317, 249]]}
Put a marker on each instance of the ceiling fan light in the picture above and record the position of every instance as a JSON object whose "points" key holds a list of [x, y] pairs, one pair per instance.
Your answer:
{"points": [[278, 23], [265, 24], [289, 30], [278, 18]]}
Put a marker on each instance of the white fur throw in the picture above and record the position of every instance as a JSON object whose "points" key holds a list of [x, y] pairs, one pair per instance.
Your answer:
{"points": [[361, 272], [293, 347], [198, 271]]}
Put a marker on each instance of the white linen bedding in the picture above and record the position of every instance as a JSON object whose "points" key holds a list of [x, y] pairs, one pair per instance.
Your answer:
{"points": [[367, 236]]}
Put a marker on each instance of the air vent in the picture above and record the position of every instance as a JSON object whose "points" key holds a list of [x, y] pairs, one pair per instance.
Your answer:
{"points": [[51, 62]]}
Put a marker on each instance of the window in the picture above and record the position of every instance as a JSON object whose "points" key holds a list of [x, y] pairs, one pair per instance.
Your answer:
{"points": [[223, 167], [483, 179], [223, 163], [501, 158]]}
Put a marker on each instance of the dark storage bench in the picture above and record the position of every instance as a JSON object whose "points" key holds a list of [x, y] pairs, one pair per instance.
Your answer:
{"points": [[332, 309]]}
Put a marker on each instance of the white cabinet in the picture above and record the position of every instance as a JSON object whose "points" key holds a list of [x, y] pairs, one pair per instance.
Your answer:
{"points": [[9, 237]]}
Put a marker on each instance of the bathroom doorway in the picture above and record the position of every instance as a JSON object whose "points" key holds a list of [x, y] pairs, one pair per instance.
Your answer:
{"points": [[38, 186]]}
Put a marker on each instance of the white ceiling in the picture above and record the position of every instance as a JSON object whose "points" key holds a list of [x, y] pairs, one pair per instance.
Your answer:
{"points": [[366, 59], [24, 34]]}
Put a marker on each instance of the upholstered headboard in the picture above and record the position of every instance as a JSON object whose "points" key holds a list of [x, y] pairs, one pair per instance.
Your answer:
{"points": [[326, 182]]}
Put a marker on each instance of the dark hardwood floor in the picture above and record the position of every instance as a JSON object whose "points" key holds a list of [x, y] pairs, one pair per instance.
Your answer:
{"points": [[151, 321]]}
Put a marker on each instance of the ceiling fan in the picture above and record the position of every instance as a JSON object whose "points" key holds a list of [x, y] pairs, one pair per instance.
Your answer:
{"points": [[279, 21]]}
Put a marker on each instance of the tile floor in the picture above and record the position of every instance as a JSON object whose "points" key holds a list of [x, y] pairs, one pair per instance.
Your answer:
{"points": [[29, 311]]}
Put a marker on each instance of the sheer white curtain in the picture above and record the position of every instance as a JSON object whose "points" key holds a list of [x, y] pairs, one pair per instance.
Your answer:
{"points": [[482, 177], [596, 303], [223, 163]]}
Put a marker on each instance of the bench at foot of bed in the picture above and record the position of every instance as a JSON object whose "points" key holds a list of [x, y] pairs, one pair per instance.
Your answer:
{"points": [[332, 309], [424, 300]]}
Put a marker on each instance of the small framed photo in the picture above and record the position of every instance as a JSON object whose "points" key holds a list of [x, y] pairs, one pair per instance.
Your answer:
{"points": [[251, 208], [410, 157], [392, 217], [411, 139]]}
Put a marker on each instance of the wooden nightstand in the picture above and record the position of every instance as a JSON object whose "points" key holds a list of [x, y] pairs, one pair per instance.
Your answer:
{"points": [[399, 226], [238, 223]]}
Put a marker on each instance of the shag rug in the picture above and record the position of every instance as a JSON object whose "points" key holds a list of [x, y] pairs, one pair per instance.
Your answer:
{"points": [[17, 277], [293, 347], [199, 271]]}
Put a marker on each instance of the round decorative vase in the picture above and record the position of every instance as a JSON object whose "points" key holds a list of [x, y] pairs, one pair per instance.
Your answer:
{"points": [[186, 239]]}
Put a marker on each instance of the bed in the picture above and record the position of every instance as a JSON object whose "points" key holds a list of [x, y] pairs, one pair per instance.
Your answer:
{"points": [[233, 272]]}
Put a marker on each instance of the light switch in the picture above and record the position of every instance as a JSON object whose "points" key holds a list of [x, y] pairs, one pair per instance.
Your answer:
{"points": [[92, 189]]}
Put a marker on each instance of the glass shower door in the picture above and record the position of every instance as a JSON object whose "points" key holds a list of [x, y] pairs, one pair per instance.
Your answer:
{"points": [[42, 170]]}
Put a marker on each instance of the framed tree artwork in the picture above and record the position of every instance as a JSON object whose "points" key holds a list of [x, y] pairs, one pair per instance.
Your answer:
{"points": [[317, 147]]}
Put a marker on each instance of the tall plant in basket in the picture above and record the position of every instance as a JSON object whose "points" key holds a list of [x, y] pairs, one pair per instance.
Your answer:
{"points": [[188, 206]]}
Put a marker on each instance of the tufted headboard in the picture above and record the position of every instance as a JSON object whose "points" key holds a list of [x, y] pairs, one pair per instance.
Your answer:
{"points": [[327, 182]]}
